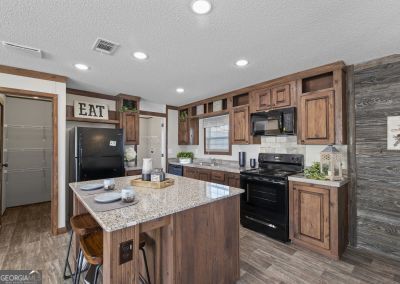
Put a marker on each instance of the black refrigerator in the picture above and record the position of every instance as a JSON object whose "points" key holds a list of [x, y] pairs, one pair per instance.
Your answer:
{"points": [[94, 153]]}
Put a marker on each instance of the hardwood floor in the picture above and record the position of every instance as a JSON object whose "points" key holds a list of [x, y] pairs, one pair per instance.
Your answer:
{"points": [[26, 243]]}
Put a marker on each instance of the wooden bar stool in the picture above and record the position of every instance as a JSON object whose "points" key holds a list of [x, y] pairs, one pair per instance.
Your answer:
{"points": [[81, 225], [92, 250]]}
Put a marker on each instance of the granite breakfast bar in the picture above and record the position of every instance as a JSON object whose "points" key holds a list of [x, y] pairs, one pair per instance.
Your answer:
{"points": [[192, 228]]}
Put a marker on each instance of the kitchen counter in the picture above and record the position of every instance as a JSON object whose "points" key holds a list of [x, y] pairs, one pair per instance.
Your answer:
{"points": [[133, 168], [302, 178], [218, 167], [182, 221]]}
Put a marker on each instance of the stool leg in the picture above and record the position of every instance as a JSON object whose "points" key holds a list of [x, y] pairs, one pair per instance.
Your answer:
{"points": [[67, 265], [78, 268], [96, 274], [146, 266]]}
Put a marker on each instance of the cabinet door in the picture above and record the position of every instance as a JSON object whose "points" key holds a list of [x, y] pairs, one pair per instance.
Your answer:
{"points": [[262, 100], [311, 215], [190, 173], [204, 175], [240, 125], [281, 96], [233, 180], [193, 131], [183, 132], [131, 127], [218, 177], [316, 118]]}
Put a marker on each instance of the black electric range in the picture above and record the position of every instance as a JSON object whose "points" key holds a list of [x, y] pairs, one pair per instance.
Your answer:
{"points": [[264, 206]]}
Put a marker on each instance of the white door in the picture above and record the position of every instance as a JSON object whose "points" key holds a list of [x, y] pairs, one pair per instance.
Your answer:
{"points": [[2, 165]]}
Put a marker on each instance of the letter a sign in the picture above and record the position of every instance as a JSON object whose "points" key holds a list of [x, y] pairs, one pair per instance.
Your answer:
{"points": [[90, 110]]}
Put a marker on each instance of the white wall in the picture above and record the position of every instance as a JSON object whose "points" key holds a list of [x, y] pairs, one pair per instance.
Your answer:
{"points": [[146, 105], [173, 147], [39, 85]]}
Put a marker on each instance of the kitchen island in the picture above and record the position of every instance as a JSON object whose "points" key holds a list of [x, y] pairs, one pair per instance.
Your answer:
{"points": [[192, 229]]}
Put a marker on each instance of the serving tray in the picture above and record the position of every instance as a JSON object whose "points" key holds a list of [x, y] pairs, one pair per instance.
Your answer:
{"points": [[152, 184]]}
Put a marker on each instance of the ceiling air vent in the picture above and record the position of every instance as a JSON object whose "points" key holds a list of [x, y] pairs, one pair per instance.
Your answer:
{"points": [[105, 46], [23, 48]]}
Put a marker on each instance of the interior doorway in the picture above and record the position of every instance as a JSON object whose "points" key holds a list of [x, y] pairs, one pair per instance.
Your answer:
{"points": [[152, 140], [30, 151]]}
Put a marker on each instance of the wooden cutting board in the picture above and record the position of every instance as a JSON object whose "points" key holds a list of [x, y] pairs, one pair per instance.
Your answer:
{"points": [[152, 184]]}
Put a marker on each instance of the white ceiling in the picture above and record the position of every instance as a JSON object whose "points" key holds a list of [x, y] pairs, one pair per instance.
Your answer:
{"points": [[191, 51]]}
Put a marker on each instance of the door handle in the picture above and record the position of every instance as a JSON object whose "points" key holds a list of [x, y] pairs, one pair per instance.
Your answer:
{"points": [[5, 165]]}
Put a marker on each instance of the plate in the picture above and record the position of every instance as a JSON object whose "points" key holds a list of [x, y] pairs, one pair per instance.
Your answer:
{"points": [[91, 186], [108, 197]]}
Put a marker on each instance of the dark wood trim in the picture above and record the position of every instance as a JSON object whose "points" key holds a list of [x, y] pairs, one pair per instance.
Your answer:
{"points": [[127, 97], [172, 107], [351, 156], [215, 152], [90, 94], [32, 74], [54, 182], [281, 80], [151, 113]]}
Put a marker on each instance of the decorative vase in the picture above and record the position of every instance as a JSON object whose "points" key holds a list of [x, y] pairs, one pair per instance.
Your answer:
{"points": [[185, 160]]}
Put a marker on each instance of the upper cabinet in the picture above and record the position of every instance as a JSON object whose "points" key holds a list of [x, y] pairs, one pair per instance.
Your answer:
{"points": [[276, 96], [188, 129], [240, 125], [321, 109], [128, 108]]}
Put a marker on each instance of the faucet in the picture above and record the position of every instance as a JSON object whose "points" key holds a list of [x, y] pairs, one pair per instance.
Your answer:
{"points": [[213, 161]]}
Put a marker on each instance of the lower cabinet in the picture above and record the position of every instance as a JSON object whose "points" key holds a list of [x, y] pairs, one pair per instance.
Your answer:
{"points": [[318, 217], [133, 172], [221, 177]]}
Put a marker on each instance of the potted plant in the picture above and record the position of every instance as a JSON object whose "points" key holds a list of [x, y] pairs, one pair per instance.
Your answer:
{"points": [[314, 172], [185, 157], [183, 115], [130, 156]]}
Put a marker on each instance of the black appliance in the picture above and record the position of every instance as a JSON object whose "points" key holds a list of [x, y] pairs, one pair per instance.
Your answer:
{"points": [[175, 169], [274, 122], [264, 206], [95, 153]]}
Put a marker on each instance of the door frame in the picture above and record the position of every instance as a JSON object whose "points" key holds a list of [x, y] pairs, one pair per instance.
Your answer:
{"points": [[54, 177]]}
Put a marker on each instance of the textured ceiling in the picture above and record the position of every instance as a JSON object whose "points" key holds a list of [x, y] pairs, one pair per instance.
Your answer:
{"points": [[192, 51]]}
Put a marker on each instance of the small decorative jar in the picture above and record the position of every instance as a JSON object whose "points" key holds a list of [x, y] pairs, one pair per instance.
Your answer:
{"points": [[157, 175], [331, 163]]}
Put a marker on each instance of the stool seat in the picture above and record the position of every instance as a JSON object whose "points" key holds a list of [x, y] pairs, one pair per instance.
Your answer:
{"points": [[83, 224], [92, 247]]}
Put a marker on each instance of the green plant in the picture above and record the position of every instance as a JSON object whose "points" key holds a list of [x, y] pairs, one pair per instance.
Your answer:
{"points": [[127, 109], [314, 172], [185, 155], [182, 115]]}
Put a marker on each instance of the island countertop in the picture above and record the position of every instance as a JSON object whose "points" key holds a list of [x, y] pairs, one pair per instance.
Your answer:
{"points": [[185, 194]]}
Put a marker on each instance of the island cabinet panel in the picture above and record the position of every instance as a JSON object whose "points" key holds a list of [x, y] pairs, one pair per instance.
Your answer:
{"points": [[240, 125], [318, 217], [199, 233], [317, 118]]}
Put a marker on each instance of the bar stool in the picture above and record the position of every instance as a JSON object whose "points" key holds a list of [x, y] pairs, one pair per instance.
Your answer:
{"points": [[92, 250], [82, 224]]}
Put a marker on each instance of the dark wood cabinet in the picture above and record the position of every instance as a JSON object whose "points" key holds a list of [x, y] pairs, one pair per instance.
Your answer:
{"points": [[190, 172], [318, 217], [128, 107], [218, 177], [204, 175], [232, 179], [133, 172], [240, 125], [260, 100], [316, 118], [281, 96], [188, 131]]}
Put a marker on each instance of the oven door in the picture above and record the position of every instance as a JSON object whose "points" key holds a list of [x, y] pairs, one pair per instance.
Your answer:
{"points": [[264, 206]]}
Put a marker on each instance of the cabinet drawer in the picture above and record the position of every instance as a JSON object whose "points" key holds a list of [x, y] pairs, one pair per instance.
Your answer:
{"points": [[218, 177]]}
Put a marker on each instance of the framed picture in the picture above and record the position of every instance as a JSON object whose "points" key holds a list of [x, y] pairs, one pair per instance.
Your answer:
{"points": [[393, 133]]}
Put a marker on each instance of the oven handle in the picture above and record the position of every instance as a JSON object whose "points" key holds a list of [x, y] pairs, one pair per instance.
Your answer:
{"points": [[261, 222], [248, 194], [265, 180]]}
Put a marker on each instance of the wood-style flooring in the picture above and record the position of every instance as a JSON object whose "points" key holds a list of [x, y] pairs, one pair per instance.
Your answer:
{"points": [[26, 243]]}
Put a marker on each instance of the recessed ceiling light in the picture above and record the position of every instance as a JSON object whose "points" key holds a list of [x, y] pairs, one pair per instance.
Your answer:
{"points": [[201, 7], [81, 66], [180, 90], [140, 55], [241, 62]]}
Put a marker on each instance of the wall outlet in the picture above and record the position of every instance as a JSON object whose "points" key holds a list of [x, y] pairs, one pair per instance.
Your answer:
{"points": [[125, 251]]}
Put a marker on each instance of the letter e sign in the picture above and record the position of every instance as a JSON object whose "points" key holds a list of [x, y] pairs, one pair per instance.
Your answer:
{"points": [[90, 110]]}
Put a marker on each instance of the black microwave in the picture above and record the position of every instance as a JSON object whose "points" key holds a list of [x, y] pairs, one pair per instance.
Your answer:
{"points": [[274, 122]]}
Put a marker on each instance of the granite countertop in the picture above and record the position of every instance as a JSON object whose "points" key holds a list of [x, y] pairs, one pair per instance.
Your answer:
{"points": [[302, 178], [219, 167], [155, 203], [132, 168]]}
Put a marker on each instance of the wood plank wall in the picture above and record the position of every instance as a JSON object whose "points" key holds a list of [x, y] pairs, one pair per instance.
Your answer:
{"points": [[376, 96]]}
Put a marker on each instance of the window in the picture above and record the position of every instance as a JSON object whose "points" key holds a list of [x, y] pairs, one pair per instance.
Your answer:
{"points": [[216, 135]]}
